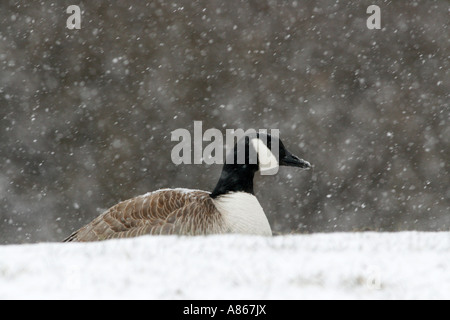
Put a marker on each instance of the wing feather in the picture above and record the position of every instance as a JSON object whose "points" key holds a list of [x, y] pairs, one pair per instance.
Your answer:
{"points": [[159, 213]]}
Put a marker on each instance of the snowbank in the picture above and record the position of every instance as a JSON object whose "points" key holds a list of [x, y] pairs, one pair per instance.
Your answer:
{"points": [[408, 265]]}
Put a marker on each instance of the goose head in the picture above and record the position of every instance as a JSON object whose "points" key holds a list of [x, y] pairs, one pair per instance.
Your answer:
{"points": [[260, 152]]}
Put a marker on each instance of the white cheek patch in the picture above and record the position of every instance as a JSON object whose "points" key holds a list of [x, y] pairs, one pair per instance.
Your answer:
{"points": [[268, 161]]}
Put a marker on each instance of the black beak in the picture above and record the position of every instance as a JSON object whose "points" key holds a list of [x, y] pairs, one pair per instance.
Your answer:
{"points": [[293, 161]]}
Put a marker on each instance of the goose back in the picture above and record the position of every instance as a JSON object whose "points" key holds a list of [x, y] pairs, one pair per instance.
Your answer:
{"points": [[164, 212]]}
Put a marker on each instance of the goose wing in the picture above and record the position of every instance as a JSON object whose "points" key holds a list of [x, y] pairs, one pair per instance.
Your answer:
{"points": [[163, 212]]}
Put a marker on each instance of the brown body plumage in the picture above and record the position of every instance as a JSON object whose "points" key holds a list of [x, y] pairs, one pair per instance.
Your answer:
{"points": [[164, 212]]}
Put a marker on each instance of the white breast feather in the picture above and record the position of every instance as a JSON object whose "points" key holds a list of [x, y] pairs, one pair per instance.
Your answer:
{"points": [[243, 214]]}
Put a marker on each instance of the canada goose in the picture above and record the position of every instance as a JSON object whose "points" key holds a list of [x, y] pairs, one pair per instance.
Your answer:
{"points": [[231, 208]]}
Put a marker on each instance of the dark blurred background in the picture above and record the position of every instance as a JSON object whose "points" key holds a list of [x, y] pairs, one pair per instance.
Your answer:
{"points": [[86, 115]]}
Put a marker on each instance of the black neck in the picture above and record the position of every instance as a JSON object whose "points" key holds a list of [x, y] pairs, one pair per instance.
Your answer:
{"points": [[235, 178]]}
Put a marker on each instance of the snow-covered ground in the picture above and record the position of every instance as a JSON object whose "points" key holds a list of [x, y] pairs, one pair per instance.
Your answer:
{"points": [[407, 265]]}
